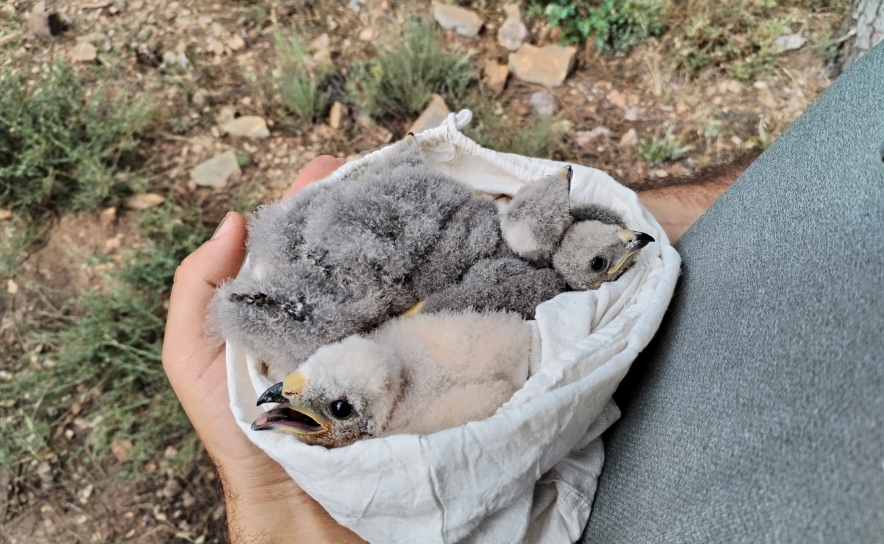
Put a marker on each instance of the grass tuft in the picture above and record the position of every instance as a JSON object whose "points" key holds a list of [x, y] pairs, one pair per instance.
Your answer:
{"points": [[401, 78], [301, 81], [61, 142], [103, 353], [536, 137], [616, 25], [657, 149]]}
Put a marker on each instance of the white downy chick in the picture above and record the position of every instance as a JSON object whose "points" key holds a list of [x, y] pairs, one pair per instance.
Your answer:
{"points": [[412, 375]]}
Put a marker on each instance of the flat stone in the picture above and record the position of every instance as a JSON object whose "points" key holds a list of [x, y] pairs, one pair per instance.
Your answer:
{"points": [[45, 24], [144, 202], [790, 42], [584, 137], [248, 126], [495, 75], [84, 52], [336, 114], [432, 116], [548, 65], [236, 43], [544, 103], [465, 22], [321, 43], [513, 32], [630, 139], [217, 171]]}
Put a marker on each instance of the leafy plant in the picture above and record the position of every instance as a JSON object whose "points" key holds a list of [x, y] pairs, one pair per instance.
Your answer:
{"points": [[401, 78], [61, 141], [300, 79], [657, 149], [103, 354], [617, 25]]}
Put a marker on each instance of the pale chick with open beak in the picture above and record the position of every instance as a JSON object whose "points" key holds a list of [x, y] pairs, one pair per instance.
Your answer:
{"points": [[412, 375]]}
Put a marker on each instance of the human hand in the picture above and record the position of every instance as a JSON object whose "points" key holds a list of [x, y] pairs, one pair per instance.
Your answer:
{"points": [[263, 502]]}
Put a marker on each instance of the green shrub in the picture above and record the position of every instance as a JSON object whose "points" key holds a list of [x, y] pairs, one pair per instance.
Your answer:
{"points": [[657, 149], [301, 81], [61, 143], [104, 353], [401, 78], [617, 24]]}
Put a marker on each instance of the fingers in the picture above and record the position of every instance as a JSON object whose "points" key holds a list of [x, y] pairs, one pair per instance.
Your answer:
{"points": [[319, 168], [195, 280]]}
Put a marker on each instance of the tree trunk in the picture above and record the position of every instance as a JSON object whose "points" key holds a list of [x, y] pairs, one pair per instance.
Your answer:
{"points": [[863, 28]]}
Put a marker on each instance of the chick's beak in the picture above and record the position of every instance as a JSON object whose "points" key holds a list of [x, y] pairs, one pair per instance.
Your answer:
{"points": [[633, 241], [290, 416]]}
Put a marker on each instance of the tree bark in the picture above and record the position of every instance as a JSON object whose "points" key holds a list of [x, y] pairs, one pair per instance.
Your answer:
{"points": [[863, 28]]}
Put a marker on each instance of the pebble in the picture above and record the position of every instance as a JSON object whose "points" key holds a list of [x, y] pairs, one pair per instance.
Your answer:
{"points": [[616, 98], [790, 42], [5, 215], [249, 126], [11, 287], [629, 139], [173, 488], [45, 24], [544, 103], [236, 43], [432, 116], [145, 201], [336, 114], [513, 32], [630, 113], [465, 22], [83, 52], [586, 136], [548, 65], [217, 171], [366, 34], [495, 75], [321, 43]]}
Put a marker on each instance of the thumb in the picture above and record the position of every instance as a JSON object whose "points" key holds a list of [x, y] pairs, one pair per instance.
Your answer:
{"points": [[195, 281]]}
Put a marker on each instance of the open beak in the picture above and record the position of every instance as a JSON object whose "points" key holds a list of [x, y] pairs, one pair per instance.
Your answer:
{"points": [[634, 241], [288, 416]]}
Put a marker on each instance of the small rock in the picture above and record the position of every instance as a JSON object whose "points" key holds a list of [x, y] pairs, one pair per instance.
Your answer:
{"points": [[217, 171], [659, 173], [84, 494], [83, 52], [630, 113], [225, 115], [94, 37], [681, 107], [495, 75], [432, 116], [336, 114], [548, 65], [11, 287], [321, 43], [143, 202], [616, 98], [465, 22], [44, 472], [187, 500], [354, 5], [217, 48], [630, 139], [199, 97], [120, 449], [586, 136], [5, 215], [513, 32], [108, 216], [236, 43], [544, 103], [790, 42], [173, 488], [734, 87], [760, 85], [366, 34], [249, 126], [45, 24]]}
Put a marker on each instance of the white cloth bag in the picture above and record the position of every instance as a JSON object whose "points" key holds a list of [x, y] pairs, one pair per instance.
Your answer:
{"points": [[529, 472]]}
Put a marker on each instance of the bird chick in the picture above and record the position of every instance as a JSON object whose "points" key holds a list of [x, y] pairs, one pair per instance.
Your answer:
{"points": [[413, 375]]}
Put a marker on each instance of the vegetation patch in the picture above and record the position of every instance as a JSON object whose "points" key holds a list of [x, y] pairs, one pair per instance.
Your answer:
{"points": [[99, 361], [615, 25], [62, 141], [657, 149], [402, 77], [302, 81]]}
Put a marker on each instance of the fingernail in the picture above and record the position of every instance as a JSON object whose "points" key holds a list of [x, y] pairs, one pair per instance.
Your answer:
{"points": [[223, 227]]}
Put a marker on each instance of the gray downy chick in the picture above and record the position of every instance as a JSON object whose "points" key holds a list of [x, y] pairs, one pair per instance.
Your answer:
{"points": [[413, 375]]}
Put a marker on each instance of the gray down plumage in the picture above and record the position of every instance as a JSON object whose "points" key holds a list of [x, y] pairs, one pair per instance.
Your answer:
{"points": [[341, 259]]}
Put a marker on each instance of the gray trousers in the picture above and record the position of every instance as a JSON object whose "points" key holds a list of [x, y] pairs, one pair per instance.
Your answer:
{"points": [[757, 413]]}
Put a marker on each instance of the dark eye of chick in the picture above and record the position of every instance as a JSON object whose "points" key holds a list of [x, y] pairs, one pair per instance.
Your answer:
{"points": [[598, 264], [340, 409]]}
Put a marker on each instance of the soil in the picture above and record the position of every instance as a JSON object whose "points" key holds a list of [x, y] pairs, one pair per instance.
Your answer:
{"points": [[603, 91]]}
